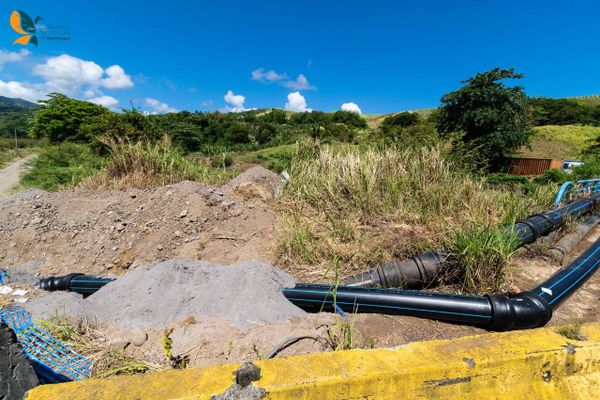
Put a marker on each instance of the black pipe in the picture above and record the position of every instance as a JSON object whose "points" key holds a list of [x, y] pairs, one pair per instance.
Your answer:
{"points": [[422, 269], [497, 312], [79, 283]]}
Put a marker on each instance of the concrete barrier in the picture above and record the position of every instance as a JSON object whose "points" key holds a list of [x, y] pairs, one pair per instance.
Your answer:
{"points": [[529, 364]]}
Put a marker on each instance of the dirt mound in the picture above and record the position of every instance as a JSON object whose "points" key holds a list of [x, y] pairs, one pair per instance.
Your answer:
{"points": [[157, 295], [103, 231]]}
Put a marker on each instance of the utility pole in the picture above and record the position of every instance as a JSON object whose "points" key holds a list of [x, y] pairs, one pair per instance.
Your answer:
{"points": [[16, 143]]}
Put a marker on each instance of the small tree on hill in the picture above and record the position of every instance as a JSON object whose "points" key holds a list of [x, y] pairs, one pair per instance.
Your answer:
{"points": [[493, 118]]}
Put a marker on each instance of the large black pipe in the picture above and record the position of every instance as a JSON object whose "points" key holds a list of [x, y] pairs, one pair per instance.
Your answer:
{"points": [[497, 312], [422, 269], [79, 283]]}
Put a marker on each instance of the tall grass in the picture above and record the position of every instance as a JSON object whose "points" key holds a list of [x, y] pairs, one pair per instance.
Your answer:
{"points": [[372, 204], [146, 164]]}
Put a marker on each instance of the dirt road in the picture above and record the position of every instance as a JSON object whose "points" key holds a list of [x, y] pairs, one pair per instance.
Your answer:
{"points": [[10, 176]]}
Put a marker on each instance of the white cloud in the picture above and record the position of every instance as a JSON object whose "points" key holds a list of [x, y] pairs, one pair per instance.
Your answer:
{"points": [[267, 76], [270, 76], [158, 106], [235, 102], [301, 83], [22, 90], [207, 103], [106, 101], [117, 78], [67, 74], [352, 107], [296, 102], [12, 56]]}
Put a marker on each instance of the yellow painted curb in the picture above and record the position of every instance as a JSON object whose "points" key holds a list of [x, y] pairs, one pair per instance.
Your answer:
{"points": [[536, 364]]}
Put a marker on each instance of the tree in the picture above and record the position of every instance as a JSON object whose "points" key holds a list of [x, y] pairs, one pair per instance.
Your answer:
{"points": [[493, 118], [61, 118], [403, 119]]}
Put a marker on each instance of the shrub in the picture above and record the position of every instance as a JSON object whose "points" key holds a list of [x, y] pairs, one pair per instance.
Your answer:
{"points": [[61, 166], [552, 176]]}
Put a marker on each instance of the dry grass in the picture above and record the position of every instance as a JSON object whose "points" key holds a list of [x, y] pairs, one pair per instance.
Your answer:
{"points": [[87, 340], [149, 164], [368, 205]]}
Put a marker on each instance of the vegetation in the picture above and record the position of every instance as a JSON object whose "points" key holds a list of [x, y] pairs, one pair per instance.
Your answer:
{"points": [[561, 142], [564, 112], [85, 339], [62, 165], [572, 331], [145, 164], [366, 205], [494, 119]]}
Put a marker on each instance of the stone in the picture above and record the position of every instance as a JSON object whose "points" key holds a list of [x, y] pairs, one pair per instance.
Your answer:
{"points": [[138, 337]]}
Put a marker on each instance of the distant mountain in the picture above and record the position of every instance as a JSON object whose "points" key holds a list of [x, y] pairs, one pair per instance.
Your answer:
{"points": [[10, 104]]}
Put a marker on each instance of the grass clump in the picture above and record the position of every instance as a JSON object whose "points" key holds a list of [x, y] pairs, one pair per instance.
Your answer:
{"points": [[572, 331], [145, 164], [62, 165], [369, 204], [480, 257], [87, 340]]}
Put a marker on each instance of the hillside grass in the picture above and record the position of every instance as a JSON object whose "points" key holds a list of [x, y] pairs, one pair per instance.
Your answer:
{"points": [[366, 205], [561, 141]]}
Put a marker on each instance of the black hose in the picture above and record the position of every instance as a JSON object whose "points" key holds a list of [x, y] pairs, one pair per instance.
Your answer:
{"points": [[497, 312], [422, 269]]}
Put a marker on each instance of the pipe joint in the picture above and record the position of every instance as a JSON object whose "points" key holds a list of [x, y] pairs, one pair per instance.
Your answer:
{"points": [[522, 311]]}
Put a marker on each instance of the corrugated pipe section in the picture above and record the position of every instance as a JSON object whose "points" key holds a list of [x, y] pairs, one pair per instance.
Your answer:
{"points": [[422, 269], [559, 250], [497, 312]]}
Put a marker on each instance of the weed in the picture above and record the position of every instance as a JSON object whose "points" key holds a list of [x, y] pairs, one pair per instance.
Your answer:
{"points": [[572, 331], [85, 339], [177, 362], [480, 257], [343, 335]]}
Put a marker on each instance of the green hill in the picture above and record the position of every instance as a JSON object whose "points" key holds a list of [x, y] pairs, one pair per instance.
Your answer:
{"points": [[561, 142], [14, 114]]}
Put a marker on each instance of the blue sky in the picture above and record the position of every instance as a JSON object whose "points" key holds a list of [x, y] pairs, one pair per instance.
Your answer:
{"points": [[383, 56]]}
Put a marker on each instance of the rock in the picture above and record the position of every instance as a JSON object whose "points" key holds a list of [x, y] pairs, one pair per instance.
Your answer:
{"points": [[183, 213], [120, 227], [159, 247], [117, 344], [16, 372], [138, 337], [36, 220], [177, 233]]}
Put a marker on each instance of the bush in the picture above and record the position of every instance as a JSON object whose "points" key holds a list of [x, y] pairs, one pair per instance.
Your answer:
{"points": [[403, 119], [60, 166], [589, 170], [552, 176], [507, 179]]}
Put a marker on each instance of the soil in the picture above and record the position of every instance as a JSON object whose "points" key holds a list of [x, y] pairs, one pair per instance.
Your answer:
{"points": [[103, 231]]}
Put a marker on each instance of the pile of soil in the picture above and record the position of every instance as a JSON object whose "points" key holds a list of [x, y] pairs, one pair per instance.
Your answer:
{"points": [[106, 231], [158, 295]]}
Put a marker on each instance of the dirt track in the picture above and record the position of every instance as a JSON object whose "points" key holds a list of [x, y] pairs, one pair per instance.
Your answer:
{"points": [[11, 175]]}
